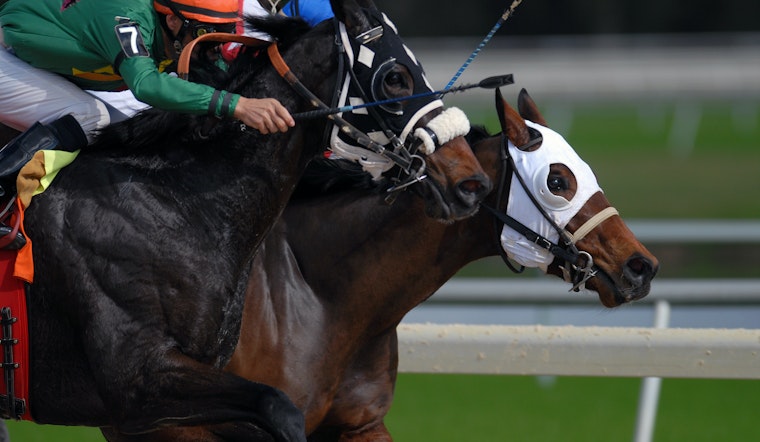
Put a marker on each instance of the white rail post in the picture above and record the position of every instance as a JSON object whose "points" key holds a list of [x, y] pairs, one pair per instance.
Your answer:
{"points": [[649, 394]]}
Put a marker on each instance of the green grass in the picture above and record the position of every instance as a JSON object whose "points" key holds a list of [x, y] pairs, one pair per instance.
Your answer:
{"points": [[646, 173], [31, 432], [443, 408], [703, 185], [643, 127]]}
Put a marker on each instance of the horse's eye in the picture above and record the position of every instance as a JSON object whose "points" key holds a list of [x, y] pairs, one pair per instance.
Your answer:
{"points": [[556, 183], [390, 81], [395, 79]]}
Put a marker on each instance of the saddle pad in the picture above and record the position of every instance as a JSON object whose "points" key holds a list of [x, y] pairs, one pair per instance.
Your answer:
{"points": [[33, 179], [55, 160]]}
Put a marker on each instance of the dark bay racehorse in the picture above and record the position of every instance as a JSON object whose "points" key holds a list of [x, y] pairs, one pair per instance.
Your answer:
{"points": [[339, 271], [144, 245]]}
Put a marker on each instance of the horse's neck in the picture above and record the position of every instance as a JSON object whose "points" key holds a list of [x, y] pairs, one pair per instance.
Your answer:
{"points": [[361, 253]]}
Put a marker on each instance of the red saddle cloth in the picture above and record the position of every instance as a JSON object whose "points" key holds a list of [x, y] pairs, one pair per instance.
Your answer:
{"points": [[16, 270]]}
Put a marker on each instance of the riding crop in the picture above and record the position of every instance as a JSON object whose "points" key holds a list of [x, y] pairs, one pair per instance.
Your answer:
{"points": [[487, 83], [507, 13]]}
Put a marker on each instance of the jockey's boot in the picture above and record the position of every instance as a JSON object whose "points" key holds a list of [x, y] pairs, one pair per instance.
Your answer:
{"points": [[64, 133]]}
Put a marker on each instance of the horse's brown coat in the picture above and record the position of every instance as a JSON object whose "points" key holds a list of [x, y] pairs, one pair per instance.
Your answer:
{"points": [[337, 274]]}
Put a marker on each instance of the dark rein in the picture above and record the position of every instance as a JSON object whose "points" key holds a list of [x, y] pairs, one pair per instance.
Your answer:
{"points": [[567, 251]]}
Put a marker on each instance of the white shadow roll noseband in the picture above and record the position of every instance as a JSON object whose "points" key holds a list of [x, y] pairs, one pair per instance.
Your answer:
{"points": [[446, 126]]}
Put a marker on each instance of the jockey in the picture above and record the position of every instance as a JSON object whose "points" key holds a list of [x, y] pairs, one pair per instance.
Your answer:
{"points": [[51, 50]]}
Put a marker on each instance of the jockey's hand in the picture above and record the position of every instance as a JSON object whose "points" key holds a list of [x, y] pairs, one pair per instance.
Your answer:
{"points": [[266, 115]]}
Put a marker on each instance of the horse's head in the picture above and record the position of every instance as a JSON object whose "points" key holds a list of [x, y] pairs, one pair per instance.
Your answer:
{"points": [[557, 217], [410, 139], [355, 62]]}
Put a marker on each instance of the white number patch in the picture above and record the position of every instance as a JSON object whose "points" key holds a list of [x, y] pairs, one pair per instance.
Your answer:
{"points": [[131, 40]]}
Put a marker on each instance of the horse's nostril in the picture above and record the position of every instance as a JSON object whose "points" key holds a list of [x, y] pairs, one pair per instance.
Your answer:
{"points": [[472, 190], [477, 186], [639, 270], [637, 265], [471, 186]]}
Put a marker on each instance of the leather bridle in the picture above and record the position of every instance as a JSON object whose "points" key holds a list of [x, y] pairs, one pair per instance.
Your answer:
{"points": [[579, 265], [402, 158], [412, 165]]}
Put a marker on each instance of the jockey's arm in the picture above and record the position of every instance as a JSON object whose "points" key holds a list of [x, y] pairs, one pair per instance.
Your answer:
{"points": [[167, 92]]}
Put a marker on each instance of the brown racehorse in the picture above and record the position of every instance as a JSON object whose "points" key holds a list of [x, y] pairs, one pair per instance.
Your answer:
{"points": [[339, 272], [144, 245]]}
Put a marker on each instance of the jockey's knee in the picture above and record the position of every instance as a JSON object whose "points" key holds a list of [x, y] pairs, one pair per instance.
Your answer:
{"points": [[92, 115]]}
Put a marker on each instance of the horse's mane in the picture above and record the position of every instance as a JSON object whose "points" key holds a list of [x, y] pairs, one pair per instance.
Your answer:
{"points": [[153, 127], [330, 176], [477, 133]]}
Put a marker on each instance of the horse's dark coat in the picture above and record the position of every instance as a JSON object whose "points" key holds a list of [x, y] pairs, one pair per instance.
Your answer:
{"points": [[143, 248]]}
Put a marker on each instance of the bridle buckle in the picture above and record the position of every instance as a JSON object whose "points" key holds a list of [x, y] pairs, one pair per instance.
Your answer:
{"points": [[576, 275]]}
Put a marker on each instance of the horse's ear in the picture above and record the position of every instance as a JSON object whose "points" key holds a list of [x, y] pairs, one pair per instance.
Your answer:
{"points": [[349, 12], [528, 108], [500, 104], [511, 122]]}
